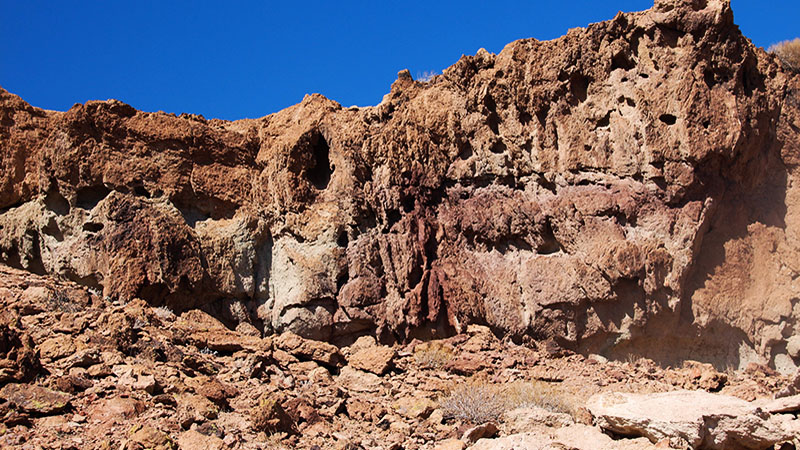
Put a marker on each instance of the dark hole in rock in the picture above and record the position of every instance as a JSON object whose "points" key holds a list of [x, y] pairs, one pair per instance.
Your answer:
{"points": [[524, 117], [319, 174], [342, 239], [752, 79], [493, 121], [52, 229], [392, 216], [92, 227], [621, 61], [510, 245], [579, 87], [56, 202], [630, 102], [342, 279], [541, 115], [706, 123], [668, 36], [489, 103], [661, 182], [605, 121], [7, 121], [408, 203], [547, 184], [549, 243], [141, 191], [465, 150], [709, 78], [644, 75], [498, 147], [88, 197], [35, 264], [192, 215], [668, 119]]}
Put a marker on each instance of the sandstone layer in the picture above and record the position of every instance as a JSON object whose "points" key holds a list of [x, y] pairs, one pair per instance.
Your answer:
{"points": [[627, 188]]}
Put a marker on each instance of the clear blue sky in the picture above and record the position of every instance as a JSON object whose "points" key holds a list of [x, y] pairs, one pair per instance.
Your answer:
{"points": [[250, 58]]}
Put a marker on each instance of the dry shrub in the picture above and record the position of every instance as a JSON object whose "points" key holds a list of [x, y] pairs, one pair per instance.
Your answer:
{"points": [[481, 401], [548, 396], [433, 355], [163, 313], [476, 402], [788, 52]]}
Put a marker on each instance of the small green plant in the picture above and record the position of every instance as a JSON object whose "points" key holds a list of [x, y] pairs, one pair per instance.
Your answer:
{"points": [[788, 52]]}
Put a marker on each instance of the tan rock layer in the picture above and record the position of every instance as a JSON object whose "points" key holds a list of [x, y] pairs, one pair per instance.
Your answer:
{"points": [[625, 188]]}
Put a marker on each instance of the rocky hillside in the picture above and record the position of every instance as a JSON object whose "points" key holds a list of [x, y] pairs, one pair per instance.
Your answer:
{"points": [[629, 188]]}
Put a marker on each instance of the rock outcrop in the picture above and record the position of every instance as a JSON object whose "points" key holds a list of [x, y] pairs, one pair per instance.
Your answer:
{"points": [[698, 419], [627, 188], [137, 376]]}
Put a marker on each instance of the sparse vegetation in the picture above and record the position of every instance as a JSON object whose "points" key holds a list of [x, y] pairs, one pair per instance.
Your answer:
{"points": [[208, 351], [788, 52], [60, 301], [163, 313], [433, 355], [426, 76], [481, 401]]}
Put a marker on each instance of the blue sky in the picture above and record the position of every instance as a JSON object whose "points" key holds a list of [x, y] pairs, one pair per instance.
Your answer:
{"points": [[250, 58]]}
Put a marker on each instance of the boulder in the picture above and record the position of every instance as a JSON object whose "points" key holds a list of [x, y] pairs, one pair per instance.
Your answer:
{"points": [[357, 380], [309, 349], [206, 332], [193, 440], [698, 418], [268, 415], [573, 437], [485, 430], [193, 408], [34, 399], [150, 438], [523, 419], [414, 407], [56, 348], [115, 409], [19, 360], [376, 359]]}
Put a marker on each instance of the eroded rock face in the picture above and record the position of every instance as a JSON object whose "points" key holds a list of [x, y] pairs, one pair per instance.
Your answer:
{"points": [[625, 188]]}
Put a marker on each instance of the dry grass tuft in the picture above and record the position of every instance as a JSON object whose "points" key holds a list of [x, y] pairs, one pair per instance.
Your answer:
{"points": [[788, 52], [433, 355], [481, 401], [163, 313]]}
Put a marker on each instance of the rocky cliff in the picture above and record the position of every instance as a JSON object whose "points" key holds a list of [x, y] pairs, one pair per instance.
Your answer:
{"points": [[630, 187]]}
